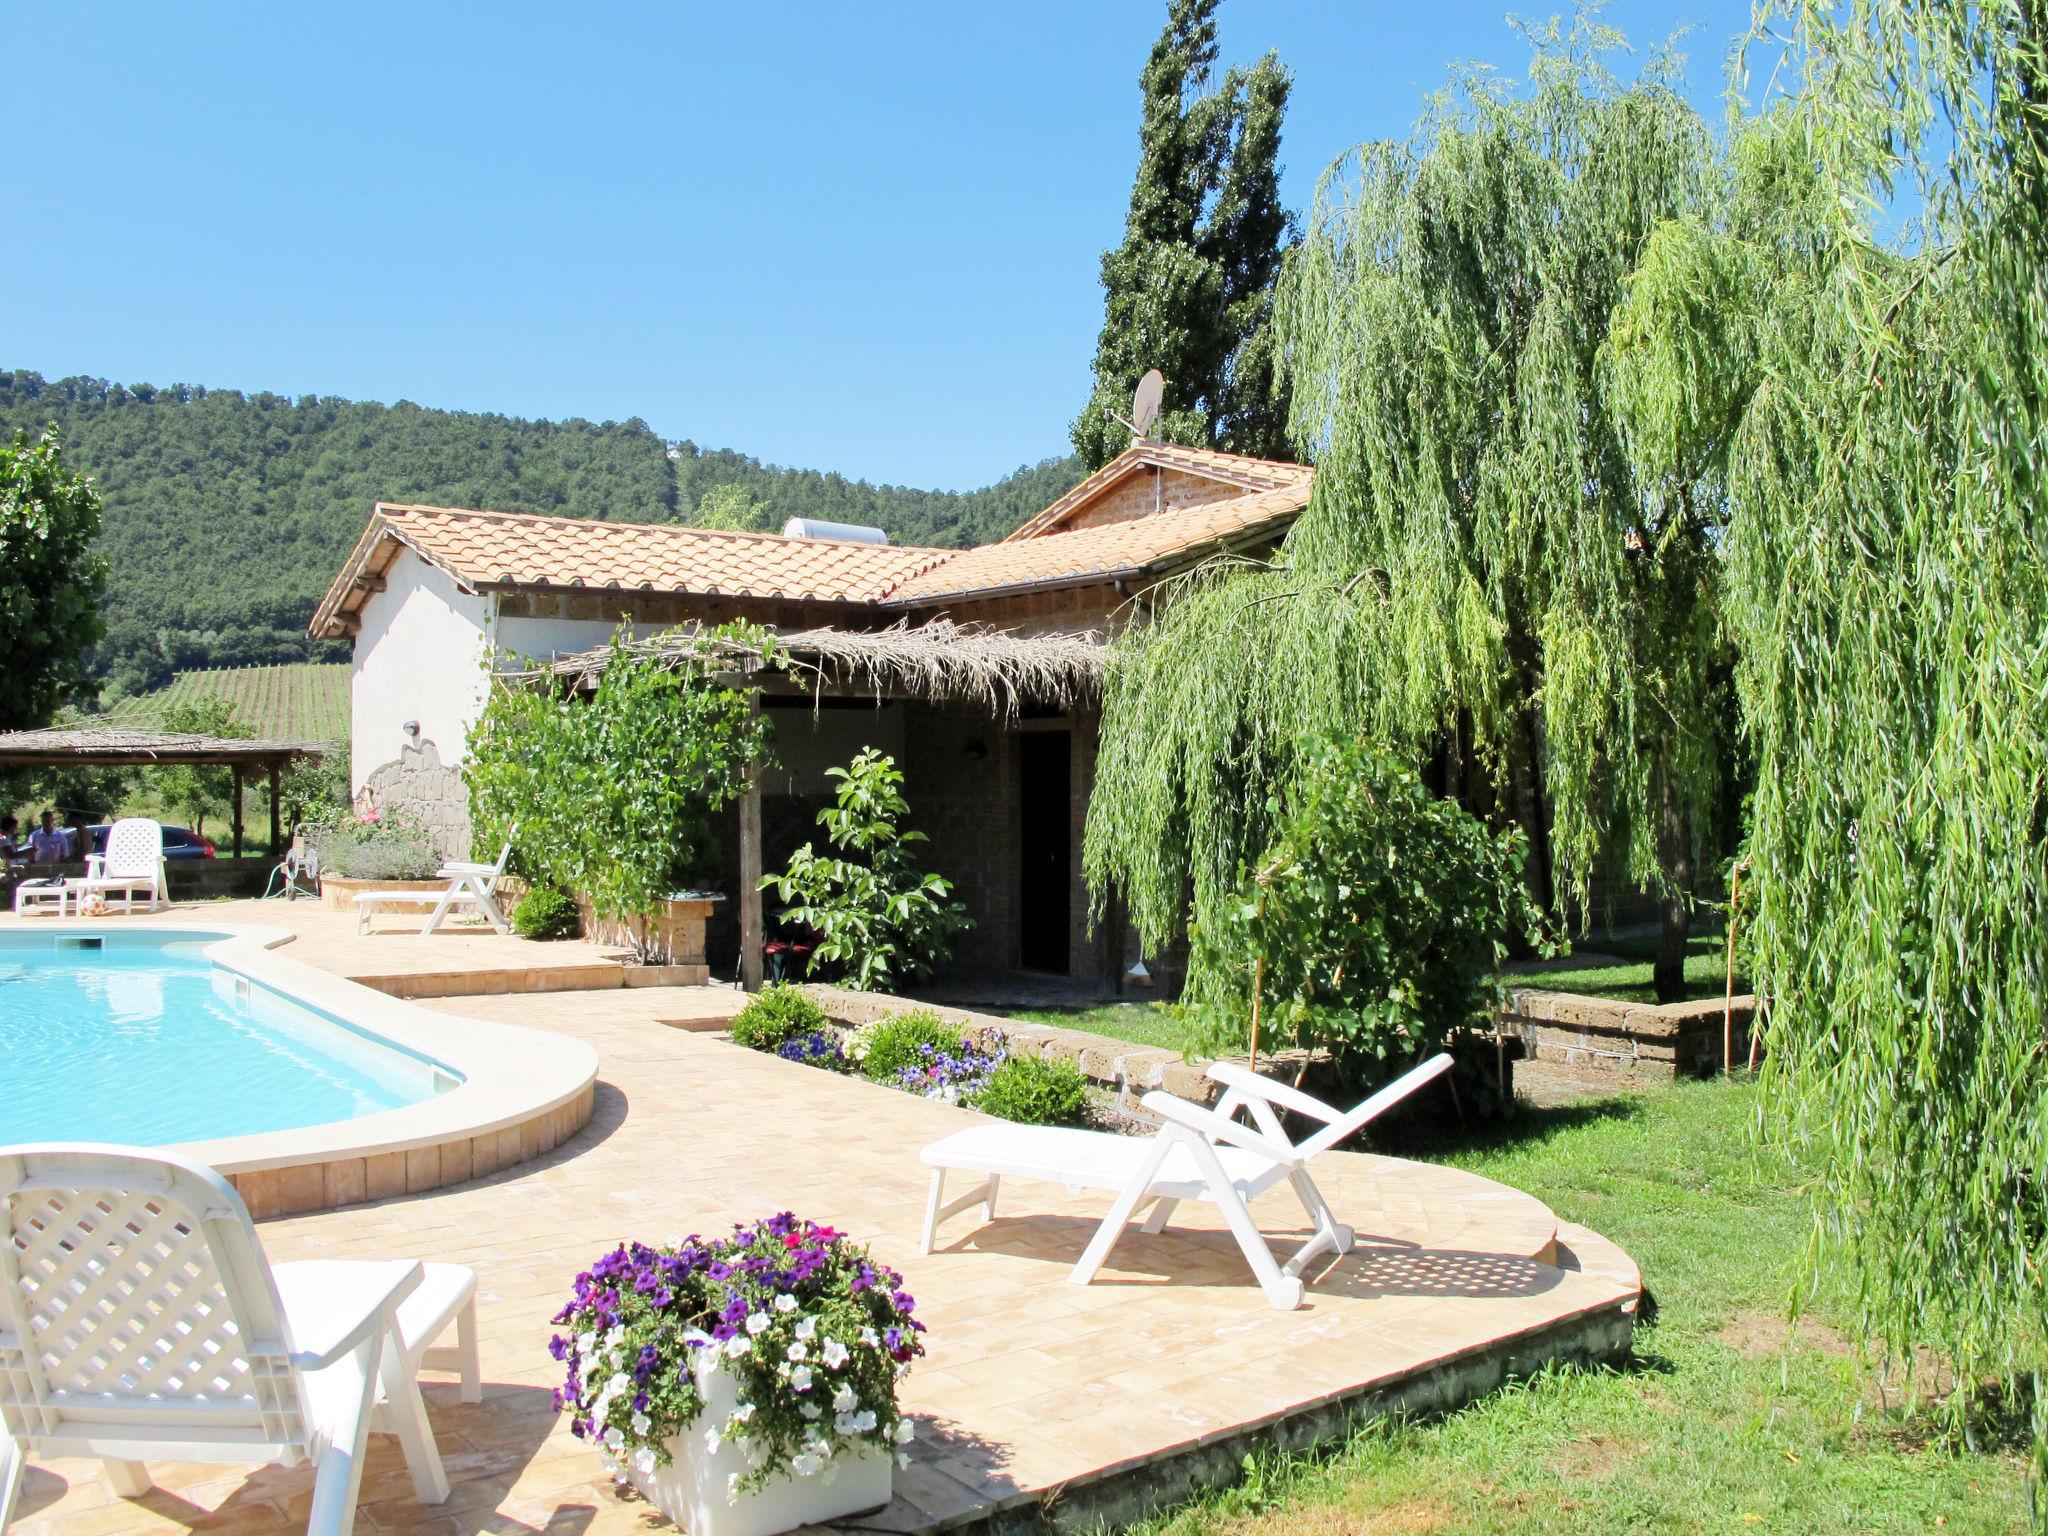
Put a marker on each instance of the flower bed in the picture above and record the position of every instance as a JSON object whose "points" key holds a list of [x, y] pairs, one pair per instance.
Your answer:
{"points": [[919, 1052], [794, 1332]]}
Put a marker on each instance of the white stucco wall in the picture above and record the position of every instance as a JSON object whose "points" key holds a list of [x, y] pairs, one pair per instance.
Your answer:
{"points": [[419, 655], [540, 639]]}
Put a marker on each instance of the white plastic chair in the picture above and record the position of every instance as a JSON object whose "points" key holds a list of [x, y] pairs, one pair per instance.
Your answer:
{"points": [[133, 861], [139, 1320], [469, 885], [1197, 1154]]}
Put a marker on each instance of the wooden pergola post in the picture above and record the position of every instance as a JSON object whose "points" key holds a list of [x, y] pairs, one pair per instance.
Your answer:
{"points": [[236, 801], [751, 936], [276, 825]]}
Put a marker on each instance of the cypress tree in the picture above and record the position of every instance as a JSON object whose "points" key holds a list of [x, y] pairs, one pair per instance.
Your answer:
{"points": [[1189, 291]]}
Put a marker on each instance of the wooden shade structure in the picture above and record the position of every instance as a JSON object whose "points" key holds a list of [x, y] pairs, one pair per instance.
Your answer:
{"points": [[88, 747]]}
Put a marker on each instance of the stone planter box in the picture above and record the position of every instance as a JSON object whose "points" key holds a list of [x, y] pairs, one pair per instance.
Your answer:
{"points": [[671, 937], [340, 893]]}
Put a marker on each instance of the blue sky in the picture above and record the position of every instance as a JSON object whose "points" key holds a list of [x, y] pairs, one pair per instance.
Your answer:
{"points": [[861, 239]]}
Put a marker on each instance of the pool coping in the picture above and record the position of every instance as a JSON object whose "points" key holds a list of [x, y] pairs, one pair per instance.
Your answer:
{"points": [[522, 1091]]}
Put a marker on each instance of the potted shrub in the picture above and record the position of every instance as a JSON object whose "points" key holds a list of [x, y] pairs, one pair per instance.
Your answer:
{"points": [[745, 1386]]}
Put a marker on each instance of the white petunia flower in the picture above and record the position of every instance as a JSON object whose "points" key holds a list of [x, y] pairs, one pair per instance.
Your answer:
{"points": [[757, 1324], [810, 1410], [643, 1461], [905, 1431], [844, 1401], [836, 1353], [785, 1302], [641, 1424], [806, 1326], [713, 1440], [738, 1345], [870, 1338], [799, 1351], [586, 1344], [732, 1486], [806, 1463], [843, 1422], [864, 1421], [614, 1437], [800, 1378], [742, 1412]]}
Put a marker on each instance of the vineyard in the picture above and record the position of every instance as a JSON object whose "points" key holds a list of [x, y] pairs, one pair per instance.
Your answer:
{"points": [[303, 701]]}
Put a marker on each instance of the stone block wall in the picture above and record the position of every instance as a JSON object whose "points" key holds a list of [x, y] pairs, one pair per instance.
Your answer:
{"points": [[420, 785], [1642, 1039]]}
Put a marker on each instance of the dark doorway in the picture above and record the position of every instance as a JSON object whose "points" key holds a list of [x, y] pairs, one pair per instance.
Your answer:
{"points": [[1045, 782]]}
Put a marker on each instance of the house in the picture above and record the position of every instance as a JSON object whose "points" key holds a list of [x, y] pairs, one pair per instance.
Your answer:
{"points": [[430, 595]]}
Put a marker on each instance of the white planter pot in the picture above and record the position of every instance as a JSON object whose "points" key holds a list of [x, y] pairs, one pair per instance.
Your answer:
{"points": [[691, 1489]]}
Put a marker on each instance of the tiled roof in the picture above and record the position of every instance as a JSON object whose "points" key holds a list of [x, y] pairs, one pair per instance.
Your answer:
{"points": [[1230, 468], [512, 549], [483, 549], [1105, 553]]}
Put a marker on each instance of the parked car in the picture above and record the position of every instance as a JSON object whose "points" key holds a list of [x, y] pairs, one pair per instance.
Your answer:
{"points": [[179, 842]]}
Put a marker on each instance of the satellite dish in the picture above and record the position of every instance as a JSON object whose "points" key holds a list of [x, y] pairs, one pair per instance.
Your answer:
{"points": [[1145, 402]]}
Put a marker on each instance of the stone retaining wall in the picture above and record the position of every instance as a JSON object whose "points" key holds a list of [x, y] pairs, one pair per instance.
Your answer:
{"points": [[1645, 1039]]}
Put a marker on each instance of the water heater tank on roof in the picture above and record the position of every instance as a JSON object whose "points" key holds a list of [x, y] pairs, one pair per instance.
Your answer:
{"points": [[815, 528]]}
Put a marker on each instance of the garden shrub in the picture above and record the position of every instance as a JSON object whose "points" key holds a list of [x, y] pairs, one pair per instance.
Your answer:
{"points": [[546, 913], [613, 793], [955, 1073], [894, 1044], [376, 845], [1034, 1091], [775, 1015], [1375, 920], [879, 922]]}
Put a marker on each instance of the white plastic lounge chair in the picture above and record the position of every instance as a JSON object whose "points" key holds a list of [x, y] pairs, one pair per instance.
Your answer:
{"points": [[139, 1320], [1197, 1154], [469, 885], [134, 861]]}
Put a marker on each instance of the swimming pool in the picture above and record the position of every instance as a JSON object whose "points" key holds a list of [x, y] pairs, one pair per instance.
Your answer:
{"points": [[138, 1037]]}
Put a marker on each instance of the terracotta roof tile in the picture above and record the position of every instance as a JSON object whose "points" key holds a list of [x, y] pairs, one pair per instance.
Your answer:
{"points": [[486, 549], [1102, 553], [1231, 468], [517, 549]]}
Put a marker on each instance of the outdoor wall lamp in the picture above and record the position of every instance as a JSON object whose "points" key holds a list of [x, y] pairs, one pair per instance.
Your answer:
{"points": [[411, 729]]}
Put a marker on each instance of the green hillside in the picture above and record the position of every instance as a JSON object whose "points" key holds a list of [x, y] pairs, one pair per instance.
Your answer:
{"points": [[299, 701], [228, 514]]}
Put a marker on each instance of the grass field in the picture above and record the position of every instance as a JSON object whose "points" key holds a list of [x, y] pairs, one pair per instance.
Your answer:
{"points": [[302, 701], [1728, 1419], [1627, 976]]}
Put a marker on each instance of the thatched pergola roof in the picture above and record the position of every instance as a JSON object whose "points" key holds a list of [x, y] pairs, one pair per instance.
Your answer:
{"points": [[936, 660], [115, 748]]}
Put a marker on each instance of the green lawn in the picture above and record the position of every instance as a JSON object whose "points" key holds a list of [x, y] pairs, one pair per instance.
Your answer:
{"points": [[1706, 970], [1140, 1023], [1727, 1421]]}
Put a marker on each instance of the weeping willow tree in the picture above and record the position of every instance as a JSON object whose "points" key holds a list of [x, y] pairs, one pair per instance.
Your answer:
{"points": [[1484, 580], [1887, 592]]}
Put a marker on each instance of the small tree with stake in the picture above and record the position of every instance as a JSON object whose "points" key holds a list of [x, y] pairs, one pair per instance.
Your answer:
{"points": [[878, 918]]}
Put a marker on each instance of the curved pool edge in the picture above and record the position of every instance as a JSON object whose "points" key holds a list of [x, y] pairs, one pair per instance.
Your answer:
{"points": [[523, 1091]]}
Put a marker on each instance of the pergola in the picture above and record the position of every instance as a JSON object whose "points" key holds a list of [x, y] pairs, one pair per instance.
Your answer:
{"points": [[938, 659], [89, 747]]}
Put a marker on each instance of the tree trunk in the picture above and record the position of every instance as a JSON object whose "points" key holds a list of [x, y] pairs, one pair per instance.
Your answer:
{"points": [[1674, 836]]}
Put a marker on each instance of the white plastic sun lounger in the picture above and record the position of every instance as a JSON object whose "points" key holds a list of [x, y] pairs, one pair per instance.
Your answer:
{"points": [[140, 1320], [469, 885], [1197, 1154], [134, 861]]}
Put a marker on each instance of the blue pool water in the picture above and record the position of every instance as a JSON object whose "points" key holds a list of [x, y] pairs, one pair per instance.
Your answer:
{"points": [[139, 1039]]}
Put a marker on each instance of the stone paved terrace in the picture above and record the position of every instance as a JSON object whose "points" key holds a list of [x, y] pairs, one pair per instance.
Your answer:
{"points": [[1102, 1398]]}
